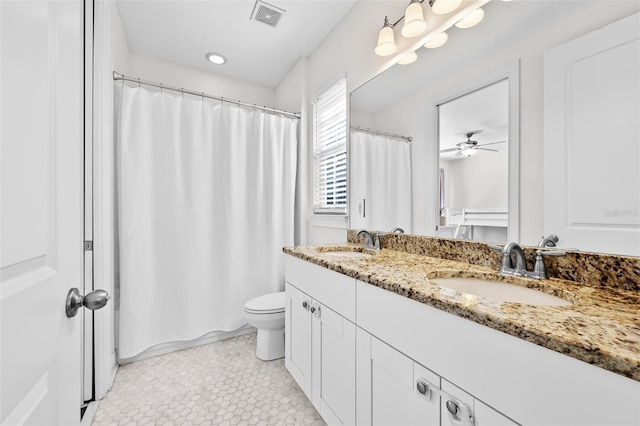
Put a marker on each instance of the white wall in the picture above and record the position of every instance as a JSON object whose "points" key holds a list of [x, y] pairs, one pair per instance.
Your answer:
{"points": [[180, 76], [349, 50], [340, 54], [479, 181]]}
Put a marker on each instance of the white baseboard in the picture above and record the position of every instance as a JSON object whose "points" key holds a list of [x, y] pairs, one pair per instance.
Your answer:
{"points": [[89, 414]]}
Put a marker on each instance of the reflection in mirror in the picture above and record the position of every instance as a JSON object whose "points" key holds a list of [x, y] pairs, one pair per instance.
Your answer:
{"points": [[473, 132], [405, 100], [380, 185]]}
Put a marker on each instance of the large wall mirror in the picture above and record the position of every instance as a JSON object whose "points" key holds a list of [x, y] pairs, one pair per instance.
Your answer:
{"points": [[475, 172], [454, 154]]}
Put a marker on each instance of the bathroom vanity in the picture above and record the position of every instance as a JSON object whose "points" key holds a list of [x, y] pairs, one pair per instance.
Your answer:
{"points": [[371, 339]]}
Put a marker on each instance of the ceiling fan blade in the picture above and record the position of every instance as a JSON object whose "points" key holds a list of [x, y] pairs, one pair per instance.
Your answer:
{"points": [[458, 154], [449, 150], [487, 149], [491, 143]]}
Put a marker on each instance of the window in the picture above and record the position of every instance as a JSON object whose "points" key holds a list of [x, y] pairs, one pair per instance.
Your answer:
{"points": [[330, 150]]}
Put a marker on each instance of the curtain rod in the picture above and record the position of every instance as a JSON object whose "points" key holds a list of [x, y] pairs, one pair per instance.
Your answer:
{"points": [[118, 76], [378, 132]]}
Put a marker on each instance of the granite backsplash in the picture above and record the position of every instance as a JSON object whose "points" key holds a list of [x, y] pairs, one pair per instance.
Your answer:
{"points": [[593, 269]]}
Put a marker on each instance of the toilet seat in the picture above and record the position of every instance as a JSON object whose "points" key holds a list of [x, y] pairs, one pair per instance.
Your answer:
{"points": [[272, 303]]}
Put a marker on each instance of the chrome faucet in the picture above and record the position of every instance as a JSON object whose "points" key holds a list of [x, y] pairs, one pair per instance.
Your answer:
{"points": [[520, 269], [370, 241], [506, 264], [397, 230], [549, 241]]}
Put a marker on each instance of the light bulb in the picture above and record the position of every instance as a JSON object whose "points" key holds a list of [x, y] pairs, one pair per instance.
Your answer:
{"points": [[471, 19], [409, 59], [414, 24], [437, 41], [440, 7], [386, 42]]}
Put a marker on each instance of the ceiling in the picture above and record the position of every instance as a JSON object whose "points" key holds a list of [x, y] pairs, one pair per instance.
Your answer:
{"points": [[485, 113], [183, 31]]}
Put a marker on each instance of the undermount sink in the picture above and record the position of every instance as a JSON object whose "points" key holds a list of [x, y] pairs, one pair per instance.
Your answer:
{"points": [[344, 252], [500, 291]]}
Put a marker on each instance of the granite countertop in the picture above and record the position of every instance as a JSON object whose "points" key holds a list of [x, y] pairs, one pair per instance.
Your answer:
{"points": [[600, 327]]}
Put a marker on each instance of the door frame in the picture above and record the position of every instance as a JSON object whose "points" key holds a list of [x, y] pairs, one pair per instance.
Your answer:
{"points": [[99, 193]]}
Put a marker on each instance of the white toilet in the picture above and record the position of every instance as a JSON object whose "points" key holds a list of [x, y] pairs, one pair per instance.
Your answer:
{"points": [[266, 313]]}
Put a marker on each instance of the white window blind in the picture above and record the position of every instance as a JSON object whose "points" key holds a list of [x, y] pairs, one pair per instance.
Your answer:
{"points": [[330, 150]]}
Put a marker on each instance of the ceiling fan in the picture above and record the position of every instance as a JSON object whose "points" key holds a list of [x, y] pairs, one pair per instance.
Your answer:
{"points": [[468, 148]]}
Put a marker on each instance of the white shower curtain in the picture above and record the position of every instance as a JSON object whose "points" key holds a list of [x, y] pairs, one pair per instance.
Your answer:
{"points": [[381, 175], [205, 205]]}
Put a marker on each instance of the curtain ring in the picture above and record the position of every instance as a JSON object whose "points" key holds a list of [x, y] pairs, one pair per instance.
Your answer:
{"points": [[182, 92], [138, 82], [160, 88]]}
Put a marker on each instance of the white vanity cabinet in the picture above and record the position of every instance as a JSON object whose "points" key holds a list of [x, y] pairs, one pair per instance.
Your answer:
{"points": [[320, 338], [360, 352]]}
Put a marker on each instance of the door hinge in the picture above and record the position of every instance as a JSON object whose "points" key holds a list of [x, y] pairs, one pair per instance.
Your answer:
{"points": [[88, 246]]}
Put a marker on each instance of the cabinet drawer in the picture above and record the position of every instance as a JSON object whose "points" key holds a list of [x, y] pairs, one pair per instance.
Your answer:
{"points": [[332, 289]]}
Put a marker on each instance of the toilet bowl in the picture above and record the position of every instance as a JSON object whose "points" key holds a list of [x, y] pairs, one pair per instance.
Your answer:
{"points": [[266, 313]]}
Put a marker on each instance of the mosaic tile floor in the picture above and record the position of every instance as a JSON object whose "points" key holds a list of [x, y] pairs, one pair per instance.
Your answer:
{"points": [[222, 383]]}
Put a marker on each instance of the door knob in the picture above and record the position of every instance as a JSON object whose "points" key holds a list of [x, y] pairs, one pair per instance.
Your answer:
{"points": [[94, 300]]}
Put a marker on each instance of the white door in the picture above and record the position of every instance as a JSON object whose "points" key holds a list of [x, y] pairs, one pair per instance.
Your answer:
{"points": [[42, 218], [592, 140]]}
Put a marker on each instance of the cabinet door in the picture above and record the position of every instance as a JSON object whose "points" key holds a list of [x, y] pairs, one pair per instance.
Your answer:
{"points": [[337, 366], [483, 415], [394, 398], [457, 409], [487, 416], [298, 337]]}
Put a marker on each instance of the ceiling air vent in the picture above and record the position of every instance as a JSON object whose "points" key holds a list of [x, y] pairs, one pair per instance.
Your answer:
{"points": [[267, 13]]}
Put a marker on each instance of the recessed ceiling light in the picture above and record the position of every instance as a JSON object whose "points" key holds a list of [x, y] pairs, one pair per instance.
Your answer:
{"points": [[215, 58]]}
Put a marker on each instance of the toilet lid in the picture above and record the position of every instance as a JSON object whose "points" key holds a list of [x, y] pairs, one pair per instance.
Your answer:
{"points": [[268, 303]]}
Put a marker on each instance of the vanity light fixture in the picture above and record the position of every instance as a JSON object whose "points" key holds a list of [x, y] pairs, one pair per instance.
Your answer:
{"points": [[437, 41], [216, 58], [471, 19], [409, 59], [414, 23], [441, 7], [386, 41]]}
